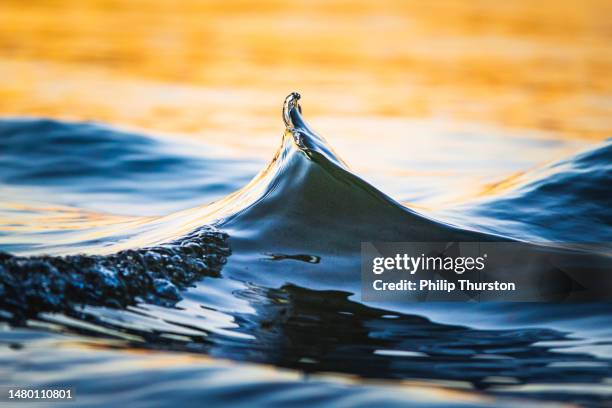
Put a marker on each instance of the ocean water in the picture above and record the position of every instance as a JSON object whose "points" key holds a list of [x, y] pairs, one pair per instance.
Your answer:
{"points": [[153, 272]]}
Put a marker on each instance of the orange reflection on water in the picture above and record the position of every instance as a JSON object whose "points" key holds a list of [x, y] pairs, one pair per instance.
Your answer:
{"points": [[190, 65], [369, 72]]}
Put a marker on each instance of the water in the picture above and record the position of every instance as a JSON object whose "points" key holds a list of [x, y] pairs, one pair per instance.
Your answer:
{"points": [[148, 272]]}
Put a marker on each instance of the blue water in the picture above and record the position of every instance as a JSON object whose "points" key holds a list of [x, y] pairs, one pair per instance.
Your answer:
{"points": [[149, 272]]}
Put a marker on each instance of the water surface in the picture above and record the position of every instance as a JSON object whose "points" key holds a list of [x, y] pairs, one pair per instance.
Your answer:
{"points": [[110, 263]]}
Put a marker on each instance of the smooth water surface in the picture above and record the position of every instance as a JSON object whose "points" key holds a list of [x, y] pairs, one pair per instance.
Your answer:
{"points": [[158, 272]]}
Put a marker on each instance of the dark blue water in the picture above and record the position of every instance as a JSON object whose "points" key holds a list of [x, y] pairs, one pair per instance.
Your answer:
{"points": [[133, 272]]}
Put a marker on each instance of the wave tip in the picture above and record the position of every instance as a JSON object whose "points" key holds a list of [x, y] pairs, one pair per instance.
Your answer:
{"points": [[291, 102]]}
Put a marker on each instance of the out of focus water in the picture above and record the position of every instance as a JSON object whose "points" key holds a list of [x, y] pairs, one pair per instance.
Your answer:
{"points": [[154, 235]]}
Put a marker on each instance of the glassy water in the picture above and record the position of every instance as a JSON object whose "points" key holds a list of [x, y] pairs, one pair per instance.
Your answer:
{"points": [[144, 271]]}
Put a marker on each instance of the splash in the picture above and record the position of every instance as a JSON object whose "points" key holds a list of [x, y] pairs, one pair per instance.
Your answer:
{"points": [[29, 285]]}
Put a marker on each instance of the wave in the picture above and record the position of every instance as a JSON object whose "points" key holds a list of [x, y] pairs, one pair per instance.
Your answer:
{"points": [[566, 201], [270, 273]]}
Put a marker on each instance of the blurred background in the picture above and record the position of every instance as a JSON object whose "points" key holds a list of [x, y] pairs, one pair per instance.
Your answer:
{"points": [[377, 72], [189, 65]]}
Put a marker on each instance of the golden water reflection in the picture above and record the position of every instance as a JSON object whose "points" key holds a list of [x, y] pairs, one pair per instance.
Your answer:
{"points": [[375, 76], [188, 66]]}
